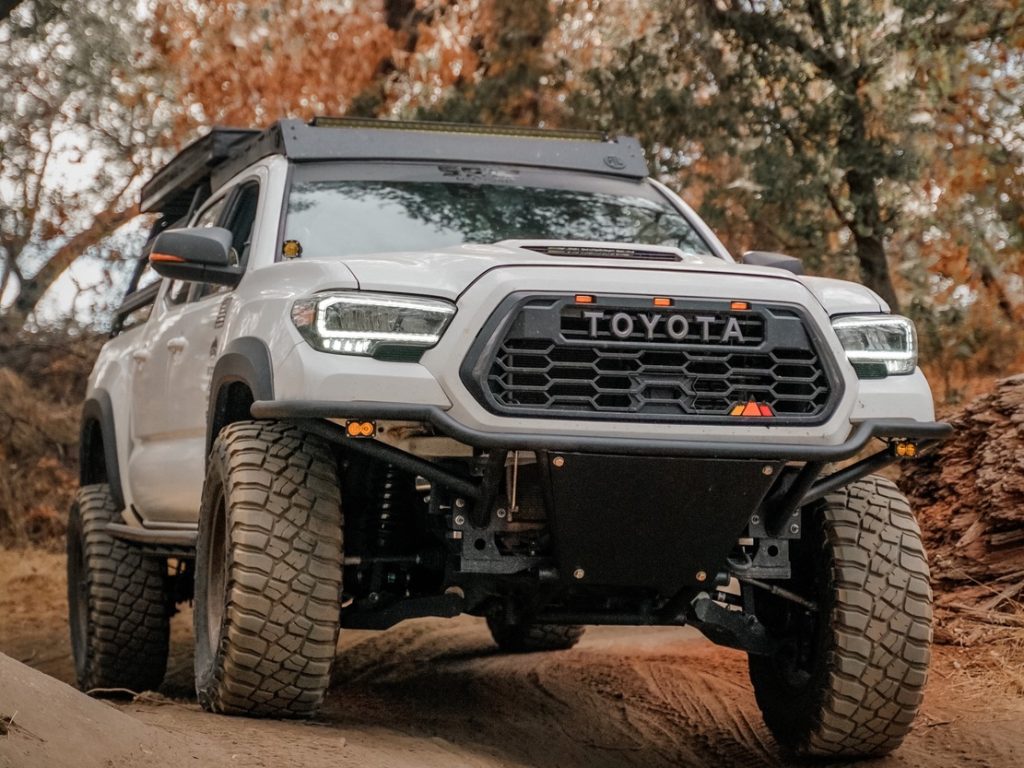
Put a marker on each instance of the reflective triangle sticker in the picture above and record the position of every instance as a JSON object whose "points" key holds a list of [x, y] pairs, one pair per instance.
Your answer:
{"points": [[752, 409]]}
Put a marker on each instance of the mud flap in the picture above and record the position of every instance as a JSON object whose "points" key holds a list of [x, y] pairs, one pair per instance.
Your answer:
{"points": [[659, 522]]}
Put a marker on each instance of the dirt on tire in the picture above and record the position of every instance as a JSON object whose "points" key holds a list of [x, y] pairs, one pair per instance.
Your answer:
{"points": [[438, 693]]}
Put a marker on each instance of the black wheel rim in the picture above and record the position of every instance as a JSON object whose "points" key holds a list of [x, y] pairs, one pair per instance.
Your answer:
{"points": [[797, 653], [216, 578], [800, 633]]}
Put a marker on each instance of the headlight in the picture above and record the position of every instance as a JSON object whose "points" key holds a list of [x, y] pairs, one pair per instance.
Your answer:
{"points": [[375, 324], [878, 345]]}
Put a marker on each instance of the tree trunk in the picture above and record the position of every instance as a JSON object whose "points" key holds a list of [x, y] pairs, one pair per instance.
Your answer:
{"points": [[874, 268], [867, 226]]}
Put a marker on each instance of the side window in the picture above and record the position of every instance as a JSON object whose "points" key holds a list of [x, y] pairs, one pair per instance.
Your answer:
{"points": [[137, 305], [178, 291], [143, 287], [210, 216], [132, 318], [240, 222], [243, 216]]}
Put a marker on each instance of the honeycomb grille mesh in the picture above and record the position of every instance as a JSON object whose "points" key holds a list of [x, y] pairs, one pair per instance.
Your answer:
{"points": [[587, 370]]}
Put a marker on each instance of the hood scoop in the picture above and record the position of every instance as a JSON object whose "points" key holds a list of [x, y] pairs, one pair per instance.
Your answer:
{"points": [[601, 251]]}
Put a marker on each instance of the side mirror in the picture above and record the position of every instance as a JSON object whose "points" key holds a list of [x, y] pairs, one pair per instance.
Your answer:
{"points": [[196, 254], [772, 259]]}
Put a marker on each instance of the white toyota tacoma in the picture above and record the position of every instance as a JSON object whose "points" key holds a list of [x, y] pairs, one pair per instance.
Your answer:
{"points": [[395, 370]]}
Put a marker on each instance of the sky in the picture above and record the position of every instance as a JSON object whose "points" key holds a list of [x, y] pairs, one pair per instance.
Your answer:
{"points": [[90, 285]]}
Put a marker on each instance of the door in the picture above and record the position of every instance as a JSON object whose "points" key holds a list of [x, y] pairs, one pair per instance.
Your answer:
{"points": [[171, 385]]}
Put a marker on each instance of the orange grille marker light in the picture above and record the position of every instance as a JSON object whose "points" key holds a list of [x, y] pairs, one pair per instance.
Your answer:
{"points": [[582, 298], [661, 301], [739, 306]]}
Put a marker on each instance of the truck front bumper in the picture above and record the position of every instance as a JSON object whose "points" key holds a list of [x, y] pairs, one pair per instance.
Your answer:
{"points": [[861, 433]]}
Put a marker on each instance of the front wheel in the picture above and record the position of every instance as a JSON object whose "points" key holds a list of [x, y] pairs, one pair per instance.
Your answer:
{"points": [[268, 572], [848, 680]]}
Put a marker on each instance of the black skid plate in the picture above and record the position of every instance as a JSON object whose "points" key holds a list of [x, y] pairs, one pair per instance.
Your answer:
{"points": [[656, 522]]}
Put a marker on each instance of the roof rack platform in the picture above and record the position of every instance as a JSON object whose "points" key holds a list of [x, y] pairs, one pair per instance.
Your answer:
{"points": [[185, 180], [212, 160]]}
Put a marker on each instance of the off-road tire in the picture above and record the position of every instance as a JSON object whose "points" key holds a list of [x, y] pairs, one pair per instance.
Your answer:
{"points": [[268, 572], [531, 638], [118, 605], [863, 678]]}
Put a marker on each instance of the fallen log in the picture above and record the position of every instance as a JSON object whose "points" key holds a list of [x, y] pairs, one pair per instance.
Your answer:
{"points": [[969, 495]]}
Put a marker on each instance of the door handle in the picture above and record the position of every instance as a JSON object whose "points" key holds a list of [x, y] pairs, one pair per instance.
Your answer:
{"points": [[140, 355], [177, 344]]}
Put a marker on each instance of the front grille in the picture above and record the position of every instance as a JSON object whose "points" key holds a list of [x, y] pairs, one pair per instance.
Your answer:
{"points": [[623, 359]]}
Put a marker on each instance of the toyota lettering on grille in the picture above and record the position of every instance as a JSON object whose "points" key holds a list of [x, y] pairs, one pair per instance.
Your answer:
{"points": [[677, 327]]}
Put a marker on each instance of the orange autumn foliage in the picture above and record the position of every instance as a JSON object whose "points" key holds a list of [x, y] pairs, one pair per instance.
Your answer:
{"points": [[251, 63]]}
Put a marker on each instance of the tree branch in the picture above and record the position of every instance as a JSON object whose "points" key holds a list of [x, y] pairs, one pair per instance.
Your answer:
{"points": [[833, 201], [32, 199], [759, 27], [32, 290]]}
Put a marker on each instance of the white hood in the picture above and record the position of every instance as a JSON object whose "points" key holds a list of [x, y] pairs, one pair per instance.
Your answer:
{"points": [[449, 272]]}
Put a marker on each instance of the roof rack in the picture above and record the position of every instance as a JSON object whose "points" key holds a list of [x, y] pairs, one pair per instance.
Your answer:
{"points": [[212, 160], [181, 185], [431, 126]]}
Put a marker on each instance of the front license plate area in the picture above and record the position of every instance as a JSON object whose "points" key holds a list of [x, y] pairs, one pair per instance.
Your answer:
{"points": [[650, 522]]}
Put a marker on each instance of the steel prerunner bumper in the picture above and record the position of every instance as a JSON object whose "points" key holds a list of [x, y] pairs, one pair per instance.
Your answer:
{"points": [[797, 468], [861, 433]]}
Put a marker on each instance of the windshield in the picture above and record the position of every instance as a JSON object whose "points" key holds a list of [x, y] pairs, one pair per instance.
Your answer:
{"points": [[333, 218]]}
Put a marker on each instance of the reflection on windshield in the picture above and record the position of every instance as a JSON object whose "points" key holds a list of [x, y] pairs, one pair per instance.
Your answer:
{"points": [[343, 218]]}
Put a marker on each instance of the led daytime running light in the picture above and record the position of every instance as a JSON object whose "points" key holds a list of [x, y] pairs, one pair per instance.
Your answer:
{"points": [[885, 342], [359, 323]]}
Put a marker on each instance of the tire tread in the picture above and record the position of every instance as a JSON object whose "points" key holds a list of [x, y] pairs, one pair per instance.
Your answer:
{"points": [[878, 656], [129, 614], [284, 572]]}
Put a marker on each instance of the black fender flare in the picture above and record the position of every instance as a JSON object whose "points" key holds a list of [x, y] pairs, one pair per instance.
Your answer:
{"points": [[247, 360], [98, 410]]}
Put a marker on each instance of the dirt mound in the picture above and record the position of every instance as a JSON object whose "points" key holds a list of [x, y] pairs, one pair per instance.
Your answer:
{"points": [[44, 722]]}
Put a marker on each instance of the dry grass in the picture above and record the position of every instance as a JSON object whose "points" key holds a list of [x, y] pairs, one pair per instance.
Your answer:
{"points": [[42, 382], [985, 658]]}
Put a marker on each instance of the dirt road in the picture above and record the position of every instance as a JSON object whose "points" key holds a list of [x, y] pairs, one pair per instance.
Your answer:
{"points": [[435, 693]]}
